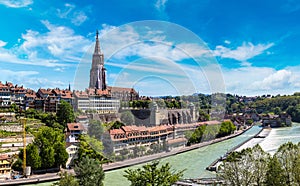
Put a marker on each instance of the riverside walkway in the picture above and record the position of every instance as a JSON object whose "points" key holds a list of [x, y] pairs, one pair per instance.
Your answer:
{"points": [[34, 179], [144, 159]]}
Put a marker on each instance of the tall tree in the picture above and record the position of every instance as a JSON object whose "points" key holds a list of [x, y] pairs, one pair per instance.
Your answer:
{"points": [[127, 118], [66, 180], [90, 147], [51, 145], [274, 174], [95, 129], [288, 156], [48, 159], [61, 155], [89, 172], [65, 113], [33, 158], [227, 128], [244, 168], [152, 175]]}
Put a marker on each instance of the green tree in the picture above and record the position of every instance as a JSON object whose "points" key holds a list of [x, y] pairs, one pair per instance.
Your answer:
{"points": [[66, 180], [203, 116], [17, 165], [51, 145], [90, 147], [61, 155], [33, 158], [294, 112], [48, 159], [127, 118], [247, 167], [197, 135], [65, 113], [274, 176], [95, 129], [14, 108], [153, 175], [117, 125], [89, 172], [227, 128], [288, 156]]}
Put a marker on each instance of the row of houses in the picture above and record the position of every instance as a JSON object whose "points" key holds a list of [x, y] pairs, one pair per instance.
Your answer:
{"points": [[273, 120], [5, 166], [10, 93], [131, 137], [47, 100], [267, 120]]}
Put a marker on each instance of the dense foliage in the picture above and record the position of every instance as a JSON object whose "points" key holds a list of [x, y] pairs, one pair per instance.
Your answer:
{"points": [[209, 132], [47, 150], [127, 118], [227, 128], [95, 129], [66, 180], [197, 135], [89, 172], [153, 175], [65, 113], [253, 166], [211, 105], [90, 147]]}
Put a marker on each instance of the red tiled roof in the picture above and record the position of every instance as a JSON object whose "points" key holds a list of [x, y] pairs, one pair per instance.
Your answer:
{"points": [[116, 131], [74, 126], [45, 91], [81, 94], [176, 140], [128, 128], [121, 89], [4, 157]]}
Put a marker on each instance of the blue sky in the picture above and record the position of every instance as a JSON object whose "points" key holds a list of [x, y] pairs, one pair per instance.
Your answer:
{"points": [[245, 47]]}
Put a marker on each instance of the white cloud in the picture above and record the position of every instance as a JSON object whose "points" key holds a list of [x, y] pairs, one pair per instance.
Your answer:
{"points": [[29, 79], [259, 80], [122, 42], [160, 4], [227, 42], [16, 3], [59, 46], [21, 74], [277, 80], [77, 17], [2, 43], [65, 12], [242, 53], [59, 69]]}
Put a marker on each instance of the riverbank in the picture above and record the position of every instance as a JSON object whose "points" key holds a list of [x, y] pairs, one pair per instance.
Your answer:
{"points": [[34, 179], [263, 133], [145, 159], [123, 164]]}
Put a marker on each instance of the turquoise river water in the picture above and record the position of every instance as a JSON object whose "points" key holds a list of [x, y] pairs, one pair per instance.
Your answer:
{"points": [[197, 160]]}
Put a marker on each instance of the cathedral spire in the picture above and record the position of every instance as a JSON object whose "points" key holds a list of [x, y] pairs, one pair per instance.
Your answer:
{"points": [[97, 72], [97, 46]]}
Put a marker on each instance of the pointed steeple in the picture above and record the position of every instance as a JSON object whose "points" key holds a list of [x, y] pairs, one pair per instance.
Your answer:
{"points": [[97, 46], [97, 72]]}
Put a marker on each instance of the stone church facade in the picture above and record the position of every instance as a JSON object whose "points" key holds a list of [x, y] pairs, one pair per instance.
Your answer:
{"points": [[100, 97]]}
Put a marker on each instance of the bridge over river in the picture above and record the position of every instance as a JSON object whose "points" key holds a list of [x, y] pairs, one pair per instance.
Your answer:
{"points": [[196, 161]]}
